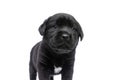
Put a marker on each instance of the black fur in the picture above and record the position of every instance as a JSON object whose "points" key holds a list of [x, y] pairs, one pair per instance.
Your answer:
{"points": [[61, 34]]}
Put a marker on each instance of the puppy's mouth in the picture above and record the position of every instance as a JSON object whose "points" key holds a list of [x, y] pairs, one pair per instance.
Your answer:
{"points": [[61, 51], [61, 47]]}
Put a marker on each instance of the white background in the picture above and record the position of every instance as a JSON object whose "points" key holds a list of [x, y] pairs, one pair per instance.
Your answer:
{"points": [[98, 55]]}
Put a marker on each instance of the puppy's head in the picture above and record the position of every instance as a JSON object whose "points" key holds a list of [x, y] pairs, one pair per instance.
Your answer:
{"points": [[61, 32]]}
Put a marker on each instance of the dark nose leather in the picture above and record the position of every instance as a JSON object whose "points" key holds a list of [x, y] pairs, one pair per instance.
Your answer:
{"points": [[65, 36]]}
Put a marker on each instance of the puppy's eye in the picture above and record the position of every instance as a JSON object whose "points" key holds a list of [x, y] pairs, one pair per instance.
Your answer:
{"points": [[73, 28], [52, 27], [55, 27]]}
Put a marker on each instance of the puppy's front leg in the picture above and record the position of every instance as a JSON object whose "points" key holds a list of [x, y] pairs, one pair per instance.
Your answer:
{"points": [[43, 73], [67, 72]]}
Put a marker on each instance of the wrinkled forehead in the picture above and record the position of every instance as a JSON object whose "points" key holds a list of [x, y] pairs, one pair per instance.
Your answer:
{"points": [[61, 20]]}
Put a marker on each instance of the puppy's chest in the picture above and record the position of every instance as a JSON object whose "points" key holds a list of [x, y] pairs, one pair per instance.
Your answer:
{"points": [[57, 70], [58, 63]]}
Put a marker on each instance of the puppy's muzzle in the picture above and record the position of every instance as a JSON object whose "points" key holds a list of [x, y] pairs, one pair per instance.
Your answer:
{"points": [[65, 37]]}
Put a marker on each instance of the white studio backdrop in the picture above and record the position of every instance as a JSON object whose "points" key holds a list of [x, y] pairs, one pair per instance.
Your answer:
{"points": [[97, 56]]}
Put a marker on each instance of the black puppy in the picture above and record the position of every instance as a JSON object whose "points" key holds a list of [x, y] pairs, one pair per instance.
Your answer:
{"points": [[56, 52]]}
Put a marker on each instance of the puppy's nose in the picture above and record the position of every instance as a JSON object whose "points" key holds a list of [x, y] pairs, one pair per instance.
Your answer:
{"points": [[65, 36]]}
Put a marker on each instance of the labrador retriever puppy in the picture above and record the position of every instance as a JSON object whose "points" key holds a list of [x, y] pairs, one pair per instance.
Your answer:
{"points": [[55, 54]]}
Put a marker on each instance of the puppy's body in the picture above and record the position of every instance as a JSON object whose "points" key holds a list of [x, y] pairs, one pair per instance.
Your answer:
{"points": [[43, 61], [57, 49]]}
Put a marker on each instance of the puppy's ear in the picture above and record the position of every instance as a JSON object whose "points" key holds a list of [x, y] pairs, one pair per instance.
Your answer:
{"points": [[80, 31], [42, 27]]}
